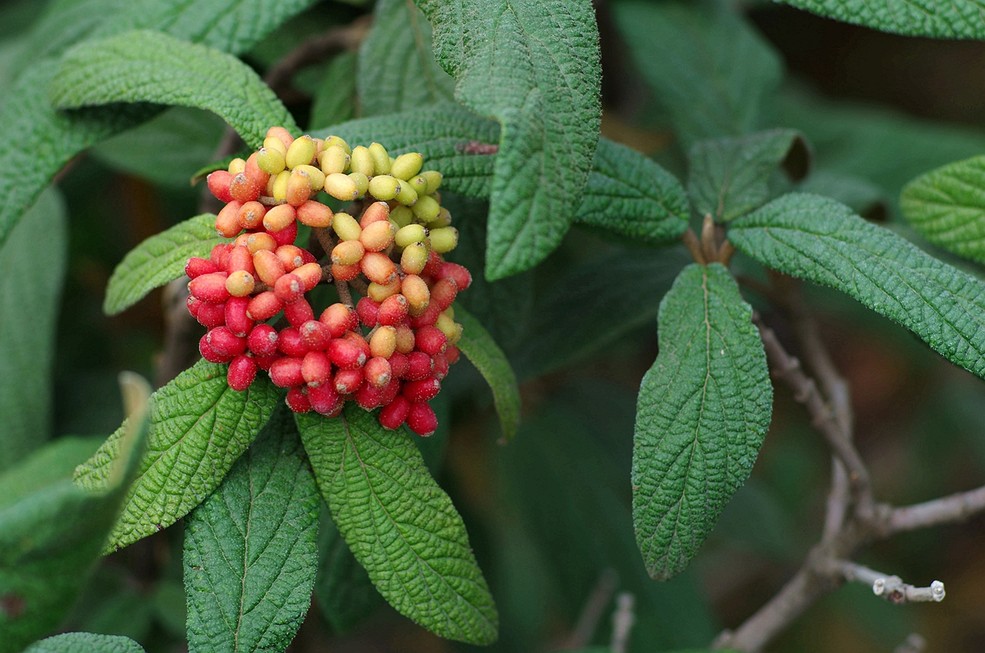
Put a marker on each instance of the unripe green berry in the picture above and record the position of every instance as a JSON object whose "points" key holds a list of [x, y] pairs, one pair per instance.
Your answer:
{"points": [[348, 252], [443, 239], [339, 141], [341, 187], [381, 159], [383, 342], [378, 292], [426, 208], [270, 161], [433, 178], [316, 178], [301, 152], [281, 134], [333, 159], [361, 161], [419, 184], [278, 185], [406, 194], [384, 187], [275, 144], [237, 166], [361, 181], [401, 216], [407, 165], [414, 258], [417, 293], [412, 233], [443, 219], [346, 226]]}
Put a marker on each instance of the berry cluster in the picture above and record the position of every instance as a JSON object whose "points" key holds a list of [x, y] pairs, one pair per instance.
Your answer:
{"points": [[391, 348]]}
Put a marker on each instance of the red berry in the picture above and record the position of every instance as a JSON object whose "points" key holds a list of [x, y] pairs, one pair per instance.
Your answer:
{"points": [[287, 235], [378, 267], [452, 354], [368, 311], [345, 272], [210, 315], [443, 293], [289, 288], [339, 318], [316, 368], [286, 372], [421, 419], [208, 353], [225, 343], [196, 267], [399, 365], [297, 400], [346, 354], [430, 340], [218, 183], [427, 318], [440, 366], [457, 273], [325, 399], [298, 312], [291, 343], [243, 189], [348, 381], [419, 366], [423, 390], [433, 266], [235, 316], [395, 413], [242, 371], [220, 255], [369, 396], [377, 371], [209, 287], [268, 266], [264, 362], [262, 340], [393, 310], [264, 306], [227, 220]]}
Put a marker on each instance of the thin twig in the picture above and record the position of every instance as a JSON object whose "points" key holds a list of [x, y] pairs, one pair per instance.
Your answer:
{"points": [[946, 510], [622, 622], [890, 588]]}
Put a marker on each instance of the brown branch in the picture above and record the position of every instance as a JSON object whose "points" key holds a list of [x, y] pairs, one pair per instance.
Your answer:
{"points": [[946, 510]]}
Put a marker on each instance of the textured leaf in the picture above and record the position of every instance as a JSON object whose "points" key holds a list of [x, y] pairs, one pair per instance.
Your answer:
{"points": [[199, 426], [732, 176], [954, 19], [947, 206], [818, 239], [681, 52], [27, 345], [535, 68], [399, 524], [149, 66], [397, 70], [40, 140], [85, 643], [345, 594], [335, 98], [51, 531], [704, 408], [158, 260], [483, 352], [628, 194], [250, 556]]}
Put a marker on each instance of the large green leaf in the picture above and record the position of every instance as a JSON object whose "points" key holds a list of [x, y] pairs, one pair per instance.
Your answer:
{"points": [[158, 260], [399, 524], [85, 643], [954, 19], [947, 206], [483, 352], [703, 410], [199, 427], [732, 176], [250, 556], [33, 264], [51, 531], [628, 194], [344, 592], [818, 239], [682, 51], [150, 66], [397, 70], [335, 100], [535, 68]]}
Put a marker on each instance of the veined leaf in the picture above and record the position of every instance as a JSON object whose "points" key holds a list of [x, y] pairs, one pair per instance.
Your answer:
{"points": [[535, 68], [199, 426], [954, 19], [27, 345], [158, 260], [399, 524], [250, 556], [149, 66], [704, 408], [629, 194], [818, 239], [335, 98], [681, 52], [732, 176], [85, 643], [345, 594], [947, 206], [483, 352], [397, 70], [51, 531]]}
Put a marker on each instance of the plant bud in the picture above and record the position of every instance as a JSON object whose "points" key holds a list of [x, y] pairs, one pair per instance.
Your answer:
{"points": [[289, 288], [377, 236], [394, 414], [414, 258], [378, 292], [225, 343], [406, 195], [430, 340], [346, 354], [316, 178], [433, 178], [325, 400], [443, 239], [421, 419], [242, 371], [298, 312], [407, 165], [298, 187], [300, 152], [227, 220], [418, 295], [278, 186], [381, 159], [348, 252], [383, 342], [333, 159], [339, 141], [345, 272], [270, 161], [286, 372], [341, 187], [316, 368], [240, 283], [426, 208], [393, 308], [209, 287], [262, 340], [375, 212], [291, 343], [401, 216], [346, 227], [361, 161], [264, 306], [218, 182], [377, 371], [384, 187], [297, 400], [378, 267], [412, 233]]}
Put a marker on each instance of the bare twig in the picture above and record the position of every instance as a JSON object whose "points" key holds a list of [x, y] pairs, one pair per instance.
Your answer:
{"points": [[946, 510], [913, 643], [891, 588], [622, 622]]}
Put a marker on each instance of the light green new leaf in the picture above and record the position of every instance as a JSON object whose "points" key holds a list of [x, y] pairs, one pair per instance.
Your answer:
{"points": [[682, 51], [199, 426], [149, 66], [818, 239], [85, 643], [399, 524], [535, 68], [51, 531], [345, 594], [732, 176], [483, 352], [250, 556], [158, 260], [703, 410], [27, 345], [628, 194], [397, 70], [947, 206], [954, 19]]}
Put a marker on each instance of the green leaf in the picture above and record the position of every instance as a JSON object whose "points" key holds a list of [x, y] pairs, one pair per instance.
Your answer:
{"points": [[954, 19], [947, 207], [51, 531], [27, 345], [732, 176], [818, 239], [335, 98], [399, 524], [199, 426], [629, 194], [250, 556], [85, 643], [149, 66], [158, 260], [345, 594], [483, 352], [703, 410], [535, 68], [681, 52], [397, 70]]}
